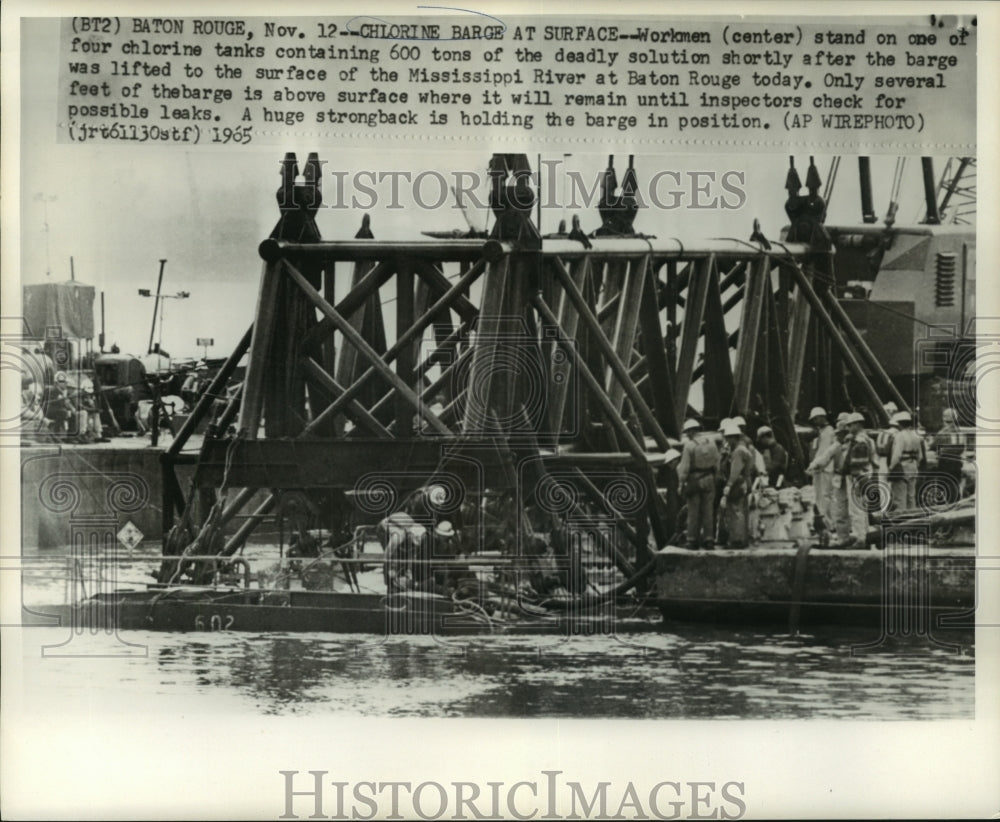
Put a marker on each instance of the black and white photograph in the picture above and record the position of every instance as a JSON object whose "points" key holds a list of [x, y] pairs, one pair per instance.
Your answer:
{"points": [[515, 412]]}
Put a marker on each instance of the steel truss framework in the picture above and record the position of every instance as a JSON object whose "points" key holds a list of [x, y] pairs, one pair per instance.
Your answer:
{"points": [[555, 366]]}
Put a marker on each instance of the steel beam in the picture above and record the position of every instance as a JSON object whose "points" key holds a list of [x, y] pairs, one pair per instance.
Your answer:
{"points": [[833, 335], [660, 250], [366, 351], [694, 312], [618, 368]]}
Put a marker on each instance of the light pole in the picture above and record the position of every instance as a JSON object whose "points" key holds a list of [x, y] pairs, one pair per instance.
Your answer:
{"points": [[158, 308]]}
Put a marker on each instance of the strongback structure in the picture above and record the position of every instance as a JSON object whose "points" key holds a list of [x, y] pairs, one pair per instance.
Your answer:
{"points": [[552, 371]]}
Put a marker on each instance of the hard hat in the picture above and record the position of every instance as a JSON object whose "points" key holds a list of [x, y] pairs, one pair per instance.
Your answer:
{"points": [[444, 529], [739, 421], [724, 422], [891, 407], [764, 429], [842, 416], [817, 412], [902, 416], [856, 416], [691, 424], [841, 426], [671, 455], [731, 430]]}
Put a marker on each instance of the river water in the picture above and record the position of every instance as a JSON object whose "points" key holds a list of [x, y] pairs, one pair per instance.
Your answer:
{"points": [[672, 671], [679, 672]]}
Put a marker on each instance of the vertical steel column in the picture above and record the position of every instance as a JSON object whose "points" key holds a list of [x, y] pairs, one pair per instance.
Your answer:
{"points": [[657, 362], [260, 345], [718, 370], [757, 281], [562, 366], [694, 312], [405, 358], [479, 392]]}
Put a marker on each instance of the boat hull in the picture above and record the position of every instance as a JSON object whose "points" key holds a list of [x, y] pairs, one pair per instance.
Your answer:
{"points": [[194, 610], [918, 591]]}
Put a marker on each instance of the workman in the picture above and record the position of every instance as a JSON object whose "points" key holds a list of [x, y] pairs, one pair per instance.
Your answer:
{"points": [[883, 442], [860, 461], [91, 429], [760, 469], [758, 480], [908, 454], [721, 474], [449, 577], [543, 575], [405, 543], [949, 443], [58, 408], [832, 458], [774, 455], [735, 493], [696, 476], [820, 467], [839, 511], [668, 487]]}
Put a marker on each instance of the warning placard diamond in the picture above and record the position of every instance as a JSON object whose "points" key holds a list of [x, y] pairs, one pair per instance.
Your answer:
{"points": [[129, 535]]}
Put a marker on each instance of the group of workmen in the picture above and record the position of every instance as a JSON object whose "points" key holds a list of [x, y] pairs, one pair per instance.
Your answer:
{"points": [[433, 557], [844, 461], [719, 473], [61, 410]]}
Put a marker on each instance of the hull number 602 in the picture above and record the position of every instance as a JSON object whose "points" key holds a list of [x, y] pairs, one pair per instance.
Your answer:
{"points": [[216, 622]]}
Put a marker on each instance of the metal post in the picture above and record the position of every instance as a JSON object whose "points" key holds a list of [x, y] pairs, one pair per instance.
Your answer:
{"points": [[930, 192], [865, 176], [156, 308]]}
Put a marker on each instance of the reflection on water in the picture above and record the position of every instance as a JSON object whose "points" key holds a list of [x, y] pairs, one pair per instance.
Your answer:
{"points": [[687, 672], [678, 672]]}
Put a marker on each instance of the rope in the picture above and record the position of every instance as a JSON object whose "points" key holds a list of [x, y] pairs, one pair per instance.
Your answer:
{"points": [[473, 609], [912, 318]]}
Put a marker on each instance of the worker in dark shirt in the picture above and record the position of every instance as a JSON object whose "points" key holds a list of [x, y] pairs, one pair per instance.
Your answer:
{"points": [[775, 456], [696, 474]]}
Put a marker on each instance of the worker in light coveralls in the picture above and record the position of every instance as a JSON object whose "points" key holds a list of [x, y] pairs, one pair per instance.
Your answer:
{"points": [[735, 493], [696, 477], [904, 463], [839, 510], [821, 468], [834, 456], [860, 461]]}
